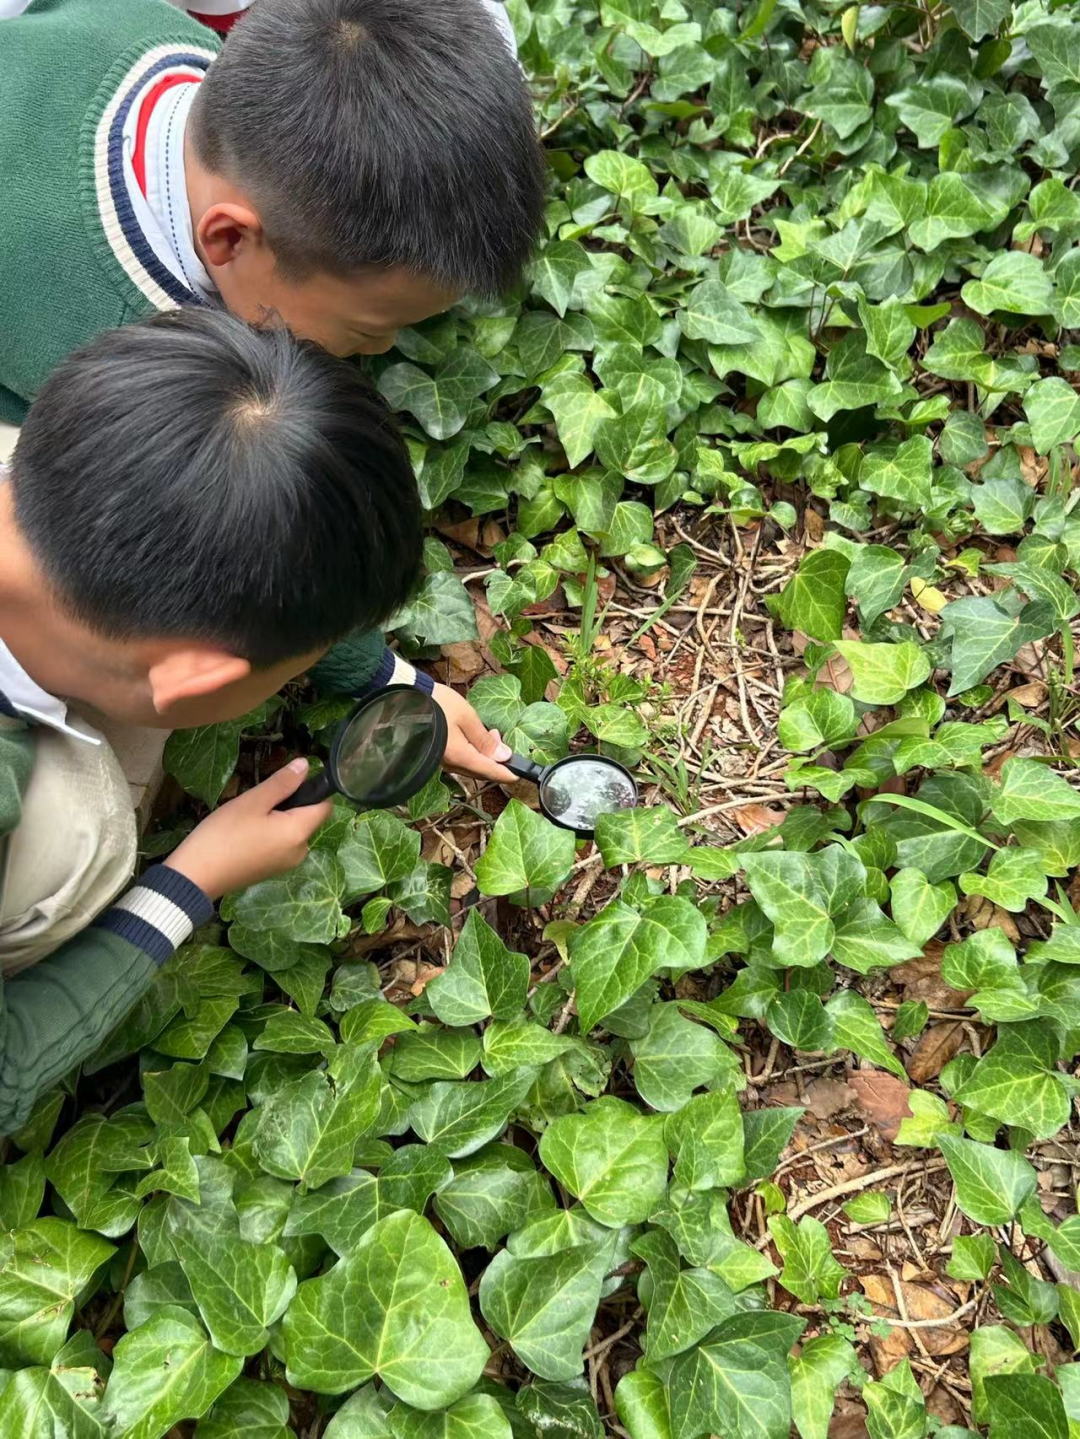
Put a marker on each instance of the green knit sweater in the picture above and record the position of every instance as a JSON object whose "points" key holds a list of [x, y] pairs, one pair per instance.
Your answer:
{"points": [[56, 1013], [73, 262]]}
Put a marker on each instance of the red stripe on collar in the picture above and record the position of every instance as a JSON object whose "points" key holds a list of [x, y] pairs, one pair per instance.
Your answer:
{"points": [[221, 23], [142, 125]]}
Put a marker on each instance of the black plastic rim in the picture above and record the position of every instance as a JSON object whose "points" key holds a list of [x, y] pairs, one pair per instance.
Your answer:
{"points": [[388, 798], [578, 759]]}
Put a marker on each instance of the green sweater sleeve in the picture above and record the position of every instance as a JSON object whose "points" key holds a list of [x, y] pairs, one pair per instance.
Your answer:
{"points": [[356, 665], [57, 1012]]}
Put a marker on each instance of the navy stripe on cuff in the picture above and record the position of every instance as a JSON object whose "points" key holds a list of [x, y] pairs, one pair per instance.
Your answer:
{"points": [[138, 932], [183, 892], [381, 678], [424, 682]]}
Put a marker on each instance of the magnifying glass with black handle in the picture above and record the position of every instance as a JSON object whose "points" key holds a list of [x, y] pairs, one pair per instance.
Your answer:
{"points": [[382, 753], [390, 745]]}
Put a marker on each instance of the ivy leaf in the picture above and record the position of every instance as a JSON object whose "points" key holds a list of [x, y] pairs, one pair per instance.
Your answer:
{"points": [[307, 1130], [884, 673], [991, 1184], [822, 1366], [1052, 407], [1032, 791], [203, 759], [673, 1058], [822, 719], [303, 905], [641, 1401], [545, 1307], [556, 271], [984, 635], [483, 979], [651, 834], [1014, 876], [165, 1371], [621, 174], [919, 907], [240, 1288], [377, 849], [43, 1269], [611, 1157], [440, 613], [712, 313], [707, 1140], [1017, 1081], [867, 939], [799, 892], [616, 952], [685, 1304], [524, 852], [900, 472], [1025, 1406], [810, 1272], [491, 1193], [798, 1019], [855, 1027], [578, 410], [477, 1416], [931, 106], [737, 1383], [58, 1401], [767, 1133], [896, 1408], [979, 18], [458, 1117], [1003, 507], [813, 599], [440, 401], [351, 1324], [889, 330], [854, 379], [1014, 282]]}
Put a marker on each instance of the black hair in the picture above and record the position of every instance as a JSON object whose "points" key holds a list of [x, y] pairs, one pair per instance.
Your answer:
{"points": [[191, 477], [378, 132]]}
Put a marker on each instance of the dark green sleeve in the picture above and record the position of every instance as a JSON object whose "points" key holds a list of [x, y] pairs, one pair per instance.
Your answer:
{"points": [[13, 407], [355, 665], [57, 1012]]}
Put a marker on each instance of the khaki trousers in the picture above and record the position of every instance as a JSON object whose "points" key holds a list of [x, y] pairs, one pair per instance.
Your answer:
{"points": [[75, 846]]}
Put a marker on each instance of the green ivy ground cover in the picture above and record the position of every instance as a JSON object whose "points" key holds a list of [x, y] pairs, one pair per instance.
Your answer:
{"points": [[804, 261]]}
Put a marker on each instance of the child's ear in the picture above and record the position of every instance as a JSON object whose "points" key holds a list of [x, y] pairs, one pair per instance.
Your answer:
{"points": [[224, 229], [186, 674]]}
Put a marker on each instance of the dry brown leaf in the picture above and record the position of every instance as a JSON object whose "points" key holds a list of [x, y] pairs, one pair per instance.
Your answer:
{"points": [[827, 1097], [1032, 467], [921, 979], [939, 1044], [848, 1423], [465, 660], [1029, 696], [814, 526], [882, 1098], [921, 1301], [756, 818]]}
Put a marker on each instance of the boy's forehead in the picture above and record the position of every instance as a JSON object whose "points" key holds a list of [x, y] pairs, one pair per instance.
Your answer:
{"points": [[390, 299]]}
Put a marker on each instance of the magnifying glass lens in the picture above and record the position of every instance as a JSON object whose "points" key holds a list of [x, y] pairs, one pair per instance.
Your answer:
{"points": [[386, 747], [578, 792]]}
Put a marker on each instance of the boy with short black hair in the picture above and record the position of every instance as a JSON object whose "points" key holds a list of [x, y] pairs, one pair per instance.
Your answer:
{"points": [[353, 166], [166, 567]]}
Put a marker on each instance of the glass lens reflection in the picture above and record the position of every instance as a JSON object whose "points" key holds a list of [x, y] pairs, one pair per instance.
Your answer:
{"points": [[578, 792], [386, 746]]}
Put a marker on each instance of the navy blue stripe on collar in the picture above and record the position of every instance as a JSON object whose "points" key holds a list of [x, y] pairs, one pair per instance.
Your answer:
{"points": [[7, 708], [125, 212]]}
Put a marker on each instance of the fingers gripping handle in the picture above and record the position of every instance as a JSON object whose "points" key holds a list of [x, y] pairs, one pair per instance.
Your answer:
{"points": [[312, 791]]}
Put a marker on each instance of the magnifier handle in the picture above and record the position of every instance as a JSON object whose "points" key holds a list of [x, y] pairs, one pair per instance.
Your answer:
{"points": [[312, 791], [524, 768]]}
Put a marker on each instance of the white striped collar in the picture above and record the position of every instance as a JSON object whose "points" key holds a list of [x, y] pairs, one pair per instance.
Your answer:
{"points": [[31, 702]]}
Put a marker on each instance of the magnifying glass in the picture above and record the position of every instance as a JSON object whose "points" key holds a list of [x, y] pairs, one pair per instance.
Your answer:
{"points": [[382, 754], [577, 790]]}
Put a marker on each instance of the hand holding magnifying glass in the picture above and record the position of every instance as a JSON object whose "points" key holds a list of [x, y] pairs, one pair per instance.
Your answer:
{"points": [[388, 748]]}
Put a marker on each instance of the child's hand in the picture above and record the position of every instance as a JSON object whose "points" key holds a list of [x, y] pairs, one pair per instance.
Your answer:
{"points": [[471, 748], [248, 839]]}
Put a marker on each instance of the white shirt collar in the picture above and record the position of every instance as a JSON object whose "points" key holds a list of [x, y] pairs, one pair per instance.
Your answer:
{"points": [[28, 698], [163, 213]]}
